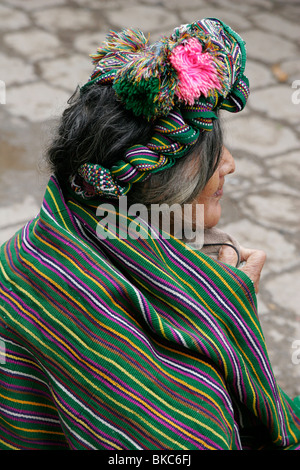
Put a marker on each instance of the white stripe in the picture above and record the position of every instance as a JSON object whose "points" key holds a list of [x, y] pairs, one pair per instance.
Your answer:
{"points": [[80, 403], [37, 418], [248, 334], [169, 362]]}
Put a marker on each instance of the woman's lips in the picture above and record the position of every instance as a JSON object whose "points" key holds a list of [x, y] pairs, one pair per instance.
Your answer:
{"points": [[219, 193]]}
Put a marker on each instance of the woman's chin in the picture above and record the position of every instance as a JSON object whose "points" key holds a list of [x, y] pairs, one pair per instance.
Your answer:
{"points": [[212, 217]]}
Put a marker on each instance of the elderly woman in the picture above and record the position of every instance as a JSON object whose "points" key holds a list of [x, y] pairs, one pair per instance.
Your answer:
{"points": [[118, 333]]}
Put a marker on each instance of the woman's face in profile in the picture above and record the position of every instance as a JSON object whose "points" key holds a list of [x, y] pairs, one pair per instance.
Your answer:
{"points": [[212, 193]]}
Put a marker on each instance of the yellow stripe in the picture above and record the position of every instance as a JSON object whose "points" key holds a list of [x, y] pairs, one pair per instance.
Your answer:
{"points": [[143, 160], [160, 142], [31, 430], [172, 280], [120, 169], [138, 178], [91, 383], [108, 379], [221, 320], [181, 312], [194, 324], [9, 445], [90, 429], [240, 301], [25, 402], [76, 266], [235, 339], [56, 205], [123, 216], [231, 291], [99, 355], [287, 422], [213, 371], [117, 365], [169, 123]]}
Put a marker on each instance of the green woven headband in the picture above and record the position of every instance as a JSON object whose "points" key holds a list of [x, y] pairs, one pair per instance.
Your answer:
{"points": [[178, 83]]}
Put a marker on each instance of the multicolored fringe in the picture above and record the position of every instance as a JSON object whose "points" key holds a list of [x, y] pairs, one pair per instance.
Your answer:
{"points": [[180, 82]]}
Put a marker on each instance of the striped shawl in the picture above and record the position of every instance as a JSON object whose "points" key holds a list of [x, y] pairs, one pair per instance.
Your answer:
{"points": [[130, 344]]}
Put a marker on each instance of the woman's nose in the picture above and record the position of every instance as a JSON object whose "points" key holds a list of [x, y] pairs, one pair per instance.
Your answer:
{"points": [[227, 163]]}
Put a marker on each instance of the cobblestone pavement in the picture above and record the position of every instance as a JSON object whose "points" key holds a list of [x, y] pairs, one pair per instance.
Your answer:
{"points": [[44, 55]]}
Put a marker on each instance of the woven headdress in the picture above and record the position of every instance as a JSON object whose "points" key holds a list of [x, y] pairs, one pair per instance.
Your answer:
{"points": [[178, 83]]}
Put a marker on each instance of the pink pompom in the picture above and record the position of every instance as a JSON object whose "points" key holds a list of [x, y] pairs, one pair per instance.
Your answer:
{"points": [[196, 70]]}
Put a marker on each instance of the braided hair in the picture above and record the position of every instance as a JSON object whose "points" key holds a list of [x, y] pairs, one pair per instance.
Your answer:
{"points": [[97, 129]]}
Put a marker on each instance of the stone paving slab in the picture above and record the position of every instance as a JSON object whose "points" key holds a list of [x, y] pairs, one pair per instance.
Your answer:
{"points": [[44, 56]]}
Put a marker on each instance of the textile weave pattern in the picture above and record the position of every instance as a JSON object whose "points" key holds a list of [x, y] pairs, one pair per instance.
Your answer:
{"points": [[126, 344]]}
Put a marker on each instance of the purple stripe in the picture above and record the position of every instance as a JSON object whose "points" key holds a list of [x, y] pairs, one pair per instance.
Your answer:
{"points": [[33, 444], [141, 151], [86, 429]]}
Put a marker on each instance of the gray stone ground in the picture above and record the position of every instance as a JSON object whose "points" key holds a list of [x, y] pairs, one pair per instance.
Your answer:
{"points": [[44, 55]]}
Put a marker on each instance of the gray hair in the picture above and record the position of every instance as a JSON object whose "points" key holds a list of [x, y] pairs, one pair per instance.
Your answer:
{"points": [[96, 128], [181, 183]]}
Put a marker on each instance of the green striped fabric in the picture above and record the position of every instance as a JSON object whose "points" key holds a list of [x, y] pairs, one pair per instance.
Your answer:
{"points": [[123, 344]]}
